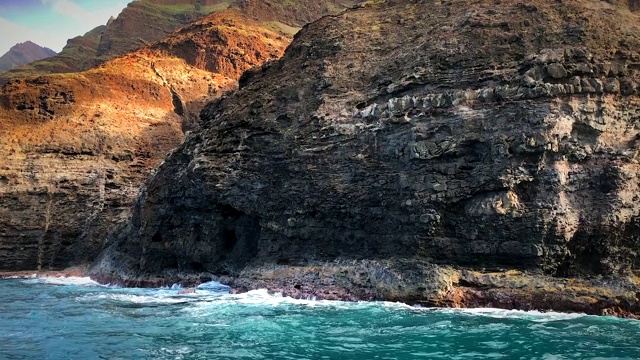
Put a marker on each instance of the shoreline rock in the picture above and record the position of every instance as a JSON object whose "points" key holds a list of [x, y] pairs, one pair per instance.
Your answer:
{"points": [[424, 285], [375, 281], [75, 271]]}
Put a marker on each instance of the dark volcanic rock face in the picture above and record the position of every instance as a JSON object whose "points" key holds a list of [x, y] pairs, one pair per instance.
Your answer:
{"points": [[483, 136]]}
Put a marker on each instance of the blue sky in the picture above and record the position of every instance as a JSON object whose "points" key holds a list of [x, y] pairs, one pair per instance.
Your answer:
{"points": [[50, 23]]}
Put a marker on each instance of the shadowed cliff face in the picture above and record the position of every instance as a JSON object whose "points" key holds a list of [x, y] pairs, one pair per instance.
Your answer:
{"points": [[485, 135]]}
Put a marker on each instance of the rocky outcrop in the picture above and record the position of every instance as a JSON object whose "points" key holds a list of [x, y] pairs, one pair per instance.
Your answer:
{"points": [[415, 151], [74, 148], [144, 22], [24, 53]]}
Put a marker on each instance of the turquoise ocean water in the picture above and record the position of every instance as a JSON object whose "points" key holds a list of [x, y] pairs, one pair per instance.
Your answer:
{"points": [[75, 318]]}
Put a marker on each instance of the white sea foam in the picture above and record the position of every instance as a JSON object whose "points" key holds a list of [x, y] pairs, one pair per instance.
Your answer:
{"points": [[181, 350], [204, 298], [171, 295], [552, 357], [70, 280], [213, 286], [263, 297], [535, 316], [137, 298], [17, 277]]}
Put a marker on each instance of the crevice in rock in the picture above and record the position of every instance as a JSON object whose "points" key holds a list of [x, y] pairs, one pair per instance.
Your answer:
{"points": [[47, 222], [157, 237], [178, 104]]}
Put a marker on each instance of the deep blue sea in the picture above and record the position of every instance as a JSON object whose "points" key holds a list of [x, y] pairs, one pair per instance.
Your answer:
{"points": [[75, 318]]}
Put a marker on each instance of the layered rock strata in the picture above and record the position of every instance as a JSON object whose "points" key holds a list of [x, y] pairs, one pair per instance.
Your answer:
{"points": [[74, 148], [415, 151]]}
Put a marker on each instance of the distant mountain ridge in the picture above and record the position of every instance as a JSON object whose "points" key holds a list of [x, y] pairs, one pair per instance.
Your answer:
{"points": [[24, 53], [144, 22], [79, 53], [141, 23]]}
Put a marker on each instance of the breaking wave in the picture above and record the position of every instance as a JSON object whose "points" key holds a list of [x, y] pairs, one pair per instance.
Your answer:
{"points": [[70, 280]]}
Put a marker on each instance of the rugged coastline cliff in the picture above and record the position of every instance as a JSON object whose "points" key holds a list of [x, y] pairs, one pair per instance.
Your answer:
{"points": [[439, 152], [75, 147]]}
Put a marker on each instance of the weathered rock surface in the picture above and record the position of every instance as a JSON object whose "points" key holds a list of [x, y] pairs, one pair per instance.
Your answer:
{"points": [[144, 22], [74, 148], [416, 150]]}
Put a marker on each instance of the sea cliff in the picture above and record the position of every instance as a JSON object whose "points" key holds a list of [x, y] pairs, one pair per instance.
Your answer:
{"points": [[436, 152]]}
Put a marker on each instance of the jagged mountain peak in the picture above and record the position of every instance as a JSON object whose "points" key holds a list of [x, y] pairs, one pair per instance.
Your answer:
{"points": [[24, 53]]}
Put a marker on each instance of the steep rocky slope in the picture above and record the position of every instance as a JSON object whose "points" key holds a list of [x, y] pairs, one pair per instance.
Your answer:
{"points": [[24, 53], [141, 23], [479, 153], [74, 148], [147, 21], [144, 22]]}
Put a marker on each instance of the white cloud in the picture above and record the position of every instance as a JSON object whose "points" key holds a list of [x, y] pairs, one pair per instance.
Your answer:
{"points": [[68, 9]]}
